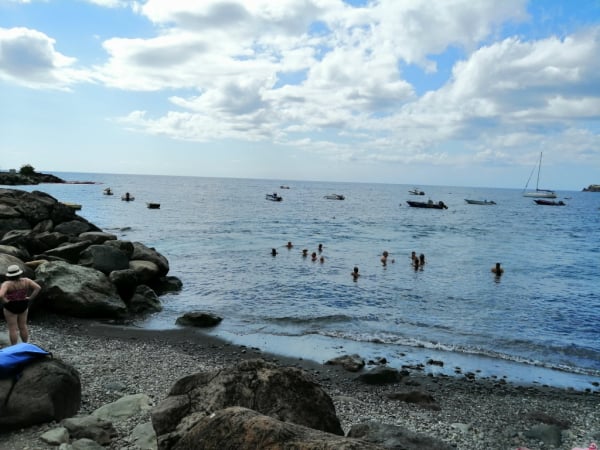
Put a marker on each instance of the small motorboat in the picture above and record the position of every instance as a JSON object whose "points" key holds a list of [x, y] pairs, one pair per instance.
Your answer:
{"points": [[153, 205], [274, 197], [550, 202], [334, 197], [127, 197], [480, 202], [284, 187], [416, 191], [107, 191], [430, 204]]}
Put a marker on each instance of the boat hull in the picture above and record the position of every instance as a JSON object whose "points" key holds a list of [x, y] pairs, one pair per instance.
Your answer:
{"points": [[427, 205], [540, 194], [480, 202], [550, 202]]}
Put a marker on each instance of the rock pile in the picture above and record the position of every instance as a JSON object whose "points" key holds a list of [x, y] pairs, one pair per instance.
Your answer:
{"points": [[83, 271]]}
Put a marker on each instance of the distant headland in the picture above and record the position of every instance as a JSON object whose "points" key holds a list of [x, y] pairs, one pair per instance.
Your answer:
{"points": [[27, 176], [592, 188]]}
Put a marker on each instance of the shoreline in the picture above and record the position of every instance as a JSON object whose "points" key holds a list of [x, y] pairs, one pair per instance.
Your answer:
{"points": [[430, 361], [114, 360]]}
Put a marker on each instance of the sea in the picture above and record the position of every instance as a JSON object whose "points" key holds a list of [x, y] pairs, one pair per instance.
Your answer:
{"points": [[536, 324]]}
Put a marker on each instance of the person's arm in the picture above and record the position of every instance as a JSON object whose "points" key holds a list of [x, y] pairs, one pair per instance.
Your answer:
{"points": [[36, 289], [3, 289]]}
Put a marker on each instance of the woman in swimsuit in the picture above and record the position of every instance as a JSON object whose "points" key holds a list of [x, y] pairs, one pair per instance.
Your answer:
{"points": [[15, 299]]}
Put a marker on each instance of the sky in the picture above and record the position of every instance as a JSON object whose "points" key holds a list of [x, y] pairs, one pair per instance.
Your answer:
{"points": [[420, 92]]}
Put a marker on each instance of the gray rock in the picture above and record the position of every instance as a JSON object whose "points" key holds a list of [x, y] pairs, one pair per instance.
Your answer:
{"points": [[143, 253], [244, 429], [86, 444], [14, 251], [124, 408], [284, 393], [47, 390], [79, 291], [125, 246], [56, 436], [144, 300], [551, 435], [199, 319], [351, 363], [68, 252], [103, 258], [96, 237], [144, 437], [392, 436], [9, 260], [145, 271], [380, 375], [72, 227], [90, 427]]}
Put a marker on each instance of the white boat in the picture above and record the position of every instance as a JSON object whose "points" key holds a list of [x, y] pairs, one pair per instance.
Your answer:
{"points": [[416, 191], [538, 193], [480, 202]]}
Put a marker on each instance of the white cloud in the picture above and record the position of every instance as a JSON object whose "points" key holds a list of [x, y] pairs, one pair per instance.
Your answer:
{"points": [[28, 58]]}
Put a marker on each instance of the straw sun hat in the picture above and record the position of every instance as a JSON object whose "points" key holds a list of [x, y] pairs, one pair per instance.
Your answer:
{"points": [[13, 271]]}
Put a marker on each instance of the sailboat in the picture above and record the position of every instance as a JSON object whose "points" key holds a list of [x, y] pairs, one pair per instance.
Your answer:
{"points": [[538, 193]]}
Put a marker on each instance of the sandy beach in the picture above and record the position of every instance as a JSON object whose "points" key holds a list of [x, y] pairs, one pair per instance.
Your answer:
{"points": [[468, 413]]}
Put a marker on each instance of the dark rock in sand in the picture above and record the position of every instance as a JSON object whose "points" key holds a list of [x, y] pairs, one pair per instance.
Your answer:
{"points": [[550, 435], [47, 390], [199, 319], [284, 393], [395, 437], [351, 363], [380, 375], [143, 301], [244, 429], [417, 397], [79, 291]]}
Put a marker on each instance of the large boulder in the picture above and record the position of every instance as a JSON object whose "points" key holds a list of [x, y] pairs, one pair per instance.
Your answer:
{"points": [[68, 252], [47, 390], [96, 237], [79, 291], [244, 429], [103, 258], [284, 393], [144, 301], [17, 252], [143, 253], [9, 260], [145, 271], [72, 227]]}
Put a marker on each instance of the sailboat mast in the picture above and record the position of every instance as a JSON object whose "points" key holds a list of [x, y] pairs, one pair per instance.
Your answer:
{"points": [[538, 175]]}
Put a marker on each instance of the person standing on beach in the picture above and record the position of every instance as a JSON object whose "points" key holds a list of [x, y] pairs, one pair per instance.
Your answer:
{"points": [[15, 297]]}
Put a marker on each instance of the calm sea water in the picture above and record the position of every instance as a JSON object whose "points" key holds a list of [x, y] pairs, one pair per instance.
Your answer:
{"points": [[538, 323]]}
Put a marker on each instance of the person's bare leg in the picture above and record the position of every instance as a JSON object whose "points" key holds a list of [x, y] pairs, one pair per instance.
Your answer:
{"points": [[11, 323], [22, 323]]}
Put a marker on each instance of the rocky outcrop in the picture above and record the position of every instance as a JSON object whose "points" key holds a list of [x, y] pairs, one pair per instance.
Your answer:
{"points": [[283, 393], [592, 188], [199, 319], [46, 390], [84, 272], [15, 178], [79, 291], [245, 429]]}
